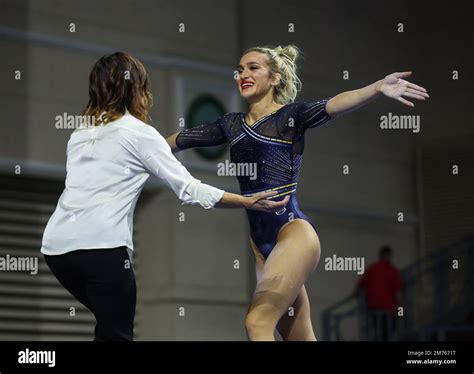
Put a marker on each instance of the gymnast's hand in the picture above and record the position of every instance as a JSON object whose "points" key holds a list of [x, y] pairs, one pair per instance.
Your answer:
{"points": [[395, 87], [260, 202]]}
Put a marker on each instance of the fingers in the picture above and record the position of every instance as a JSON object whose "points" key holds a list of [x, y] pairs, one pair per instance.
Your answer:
{"points": [[406, 102], [418, 92], [264, 195], [403, 74], [416, 87], [285, 200], [278, 204], [274, 206], [409, 84], [414, 95]]}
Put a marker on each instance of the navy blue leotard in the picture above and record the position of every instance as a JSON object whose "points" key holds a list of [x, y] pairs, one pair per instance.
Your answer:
{"points": [[275, 145]]}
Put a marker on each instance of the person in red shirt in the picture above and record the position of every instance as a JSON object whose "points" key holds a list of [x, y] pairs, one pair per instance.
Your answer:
{"points": [[382, 285]]}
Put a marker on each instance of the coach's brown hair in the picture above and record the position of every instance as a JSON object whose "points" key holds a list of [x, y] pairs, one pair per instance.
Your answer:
{"points": [[118, 82]]}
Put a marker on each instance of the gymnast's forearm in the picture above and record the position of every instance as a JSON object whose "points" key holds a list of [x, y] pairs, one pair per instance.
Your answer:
{"points": [[349, 101]]}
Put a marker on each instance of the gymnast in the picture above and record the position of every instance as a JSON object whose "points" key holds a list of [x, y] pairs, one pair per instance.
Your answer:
{"points": [[271, 134]]}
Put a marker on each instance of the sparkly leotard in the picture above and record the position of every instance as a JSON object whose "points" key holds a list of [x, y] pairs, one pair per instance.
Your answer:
{"points": [[275, 144]]}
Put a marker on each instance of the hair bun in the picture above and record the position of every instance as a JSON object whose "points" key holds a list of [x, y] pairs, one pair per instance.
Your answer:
{"points": [[289, 51]]}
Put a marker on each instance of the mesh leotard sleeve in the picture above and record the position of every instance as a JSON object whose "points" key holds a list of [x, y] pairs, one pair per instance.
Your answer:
{"points": [[202, 136], [311, 114]]}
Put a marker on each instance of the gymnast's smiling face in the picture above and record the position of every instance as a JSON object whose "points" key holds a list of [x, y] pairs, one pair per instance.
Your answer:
{"points": [[255, 79]]}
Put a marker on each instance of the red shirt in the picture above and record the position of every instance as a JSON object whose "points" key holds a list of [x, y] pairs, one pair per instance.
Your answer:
{"points": [[382, 282]]}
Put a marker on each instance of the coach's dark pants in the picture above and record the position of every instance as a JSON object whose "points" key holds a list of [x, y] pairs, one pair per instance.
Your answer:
{"points": [[103, 280]]}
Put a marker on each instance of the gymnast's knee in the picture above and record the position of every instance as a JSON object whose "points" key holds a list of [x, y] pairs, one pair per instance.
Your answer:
{"points": [[261, 319], [256, 322]]}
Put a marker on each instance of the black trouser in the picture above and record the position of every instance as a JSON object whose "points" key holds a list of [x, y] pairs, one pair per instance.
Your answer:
{"points": [[103, 280]]}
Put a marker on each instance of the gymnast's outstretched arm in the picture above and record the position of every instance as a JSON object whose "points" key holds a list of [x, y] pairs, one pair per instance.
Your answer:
{"points": [[202, 136], [392, 86]]}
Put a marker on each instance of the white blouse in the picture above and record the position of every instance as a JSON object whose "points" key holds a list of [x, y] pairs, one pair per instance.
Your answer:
{"points": [[107, 167]]}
